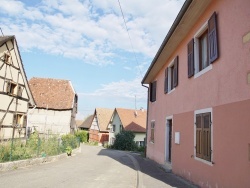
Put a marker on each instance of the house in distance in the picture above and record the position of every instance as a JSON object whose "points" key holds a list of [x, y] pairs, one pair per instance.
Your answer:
{"points": [[128, 120]]}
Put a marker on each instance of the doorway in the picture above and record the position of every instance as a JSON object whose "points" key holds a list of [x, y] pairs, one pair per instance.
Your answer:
{"points": [[168, 140]]}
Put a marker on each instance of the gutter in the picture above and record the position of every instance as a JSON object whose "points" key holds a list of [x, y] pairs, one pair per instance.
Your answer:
{"points": [[168, 36]]}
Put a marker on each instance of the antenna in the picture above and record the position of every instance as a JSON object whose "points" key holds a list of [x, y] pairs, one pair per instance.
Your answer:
{"points": [[1, 31], [135, 102]]}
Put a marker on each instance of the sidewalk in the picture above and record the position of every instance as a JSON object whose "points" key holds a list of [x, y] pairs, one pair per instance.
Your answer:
{"points": [[154, 175]]}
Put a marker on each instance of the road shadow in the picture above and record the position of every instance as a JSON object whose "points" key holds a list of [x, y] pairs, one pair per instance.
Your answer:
{"points": [[147, 167]]}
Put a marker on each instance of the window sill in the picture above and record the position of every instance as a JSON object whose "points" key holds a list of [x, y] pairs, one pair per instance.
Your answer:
{"points": [[198, 74], [151, 142], [171, 91], [204, 161]]}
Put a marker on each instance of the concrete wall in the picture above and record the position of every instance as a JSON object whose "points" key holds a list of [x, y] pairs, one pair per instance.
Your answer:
{"points": [[46, 121], [117, 122], [225, 89], [139, 137]]}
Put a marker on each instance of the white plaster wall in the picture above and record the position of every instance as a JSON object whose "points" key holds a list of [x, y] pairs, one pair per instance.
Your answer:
{"points": [[116, 121], [58, 122], [94, 125], [139, 136]]}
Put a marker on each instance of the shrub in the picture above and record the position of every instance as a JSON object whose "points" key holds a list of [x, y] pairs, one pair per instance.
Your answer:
{"points": [[93, 143], [125, 141], [69, 140], [82, 135]]}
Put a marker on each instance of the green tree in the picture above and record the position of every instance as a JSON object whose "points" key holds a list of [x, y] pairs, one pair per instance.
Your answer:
{"points": [[125, 141]]}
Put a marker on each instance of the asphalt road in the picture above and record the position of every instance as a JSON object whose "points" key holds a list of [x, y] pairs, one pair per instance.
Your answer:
{"points": [[93, 167]]}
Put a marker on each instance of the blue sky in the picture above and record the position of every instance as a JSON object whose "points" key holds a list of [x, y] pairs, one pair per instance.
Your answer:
{"points": [[87, 42]]}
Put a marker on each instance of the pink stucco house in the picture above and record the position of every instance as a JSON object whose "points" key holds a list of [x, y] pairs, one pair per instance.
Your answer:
{"points": [[199, 95]]}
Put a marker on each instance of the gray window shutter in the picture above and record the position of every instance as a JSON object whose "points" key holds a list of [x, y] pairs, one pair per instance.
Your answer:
{"points": [[176, 71], [213, 38], [153, 91], [191, 58], [166, 81]]}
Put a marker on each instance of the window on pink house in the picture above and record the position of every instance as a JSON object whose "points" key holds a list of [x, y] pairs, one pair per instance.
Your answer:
{"points": [[153, 91], [171, 76], [203, 136], [203, 48]]}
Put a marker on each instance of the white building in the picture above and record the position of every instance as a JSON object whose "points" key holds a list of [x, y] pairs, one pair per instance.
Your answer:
{"points": [[56, 107], [128, 120], [15, 95]]}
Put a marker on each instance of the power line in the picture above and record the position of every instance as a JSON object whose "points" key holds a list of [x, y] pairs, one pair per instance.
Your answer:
{"points": [[130, 39]]}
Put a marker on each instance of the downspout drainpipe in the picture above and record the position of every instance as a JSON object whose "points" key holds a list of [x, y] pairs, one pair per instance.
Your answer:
{"points": [[146, 120]]}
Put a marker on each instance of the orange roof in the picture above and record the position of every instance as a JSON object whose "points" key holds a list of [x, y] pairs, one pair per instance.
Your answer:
{"points": [[103, 117], [52, 93], [132, 120]]}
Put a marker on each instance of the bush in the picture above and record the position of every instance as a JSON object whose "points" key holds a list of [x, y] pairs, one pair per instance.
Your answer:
{"points": [[125, 141], [82, 135], [36, 146], [140, 149], [69, 140]]}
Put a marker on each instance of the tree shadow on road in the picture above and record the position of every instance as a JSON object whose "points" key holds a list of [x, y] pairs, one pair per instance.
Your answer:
{"points": [[147, 167]]}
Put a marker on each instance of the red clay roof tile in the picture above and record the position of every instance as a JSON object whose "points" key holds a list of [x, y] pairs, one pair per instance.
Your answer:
{"points": [[133, 120], [52, 93]]}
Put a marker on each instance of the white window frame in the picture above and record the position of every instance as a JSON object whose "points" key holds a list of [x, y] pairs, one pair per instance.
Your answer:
{"points": [[197, 35], [171, 65], [201, 111]]}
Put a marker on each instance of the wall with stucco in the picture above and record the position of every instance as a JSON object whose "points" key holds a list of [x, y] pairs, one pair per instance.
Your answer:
{"points": [[225, 89], [50, 121]]}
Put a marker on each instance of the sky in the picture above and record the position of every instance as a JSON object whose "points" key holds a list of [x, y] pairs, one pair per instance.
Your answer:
{"points": [[88, 43]]}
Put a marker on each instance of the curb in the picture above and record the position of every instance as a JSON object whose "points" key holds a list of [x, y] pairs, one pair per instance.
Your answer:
{"points": [[13, 165]]}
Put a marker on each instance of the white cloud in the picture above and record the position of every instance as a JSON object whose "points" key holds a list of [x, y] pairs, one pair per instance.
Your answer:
{"points": [[126, 94], [122, 88], [96, 28], [12, 7]]}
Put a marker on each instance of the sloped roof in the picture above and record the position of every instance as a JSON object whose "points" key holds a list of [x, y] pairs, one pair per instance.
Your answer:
{"points": [[103, 117], [87, 122], [4, 39], [78, 122], [52, 93], [133, 120]]}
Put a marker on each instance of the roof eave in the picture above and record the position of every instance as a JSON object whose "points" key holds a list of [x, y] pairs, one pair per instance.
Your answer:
{"points": [[184, 22], [168, 36]]}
